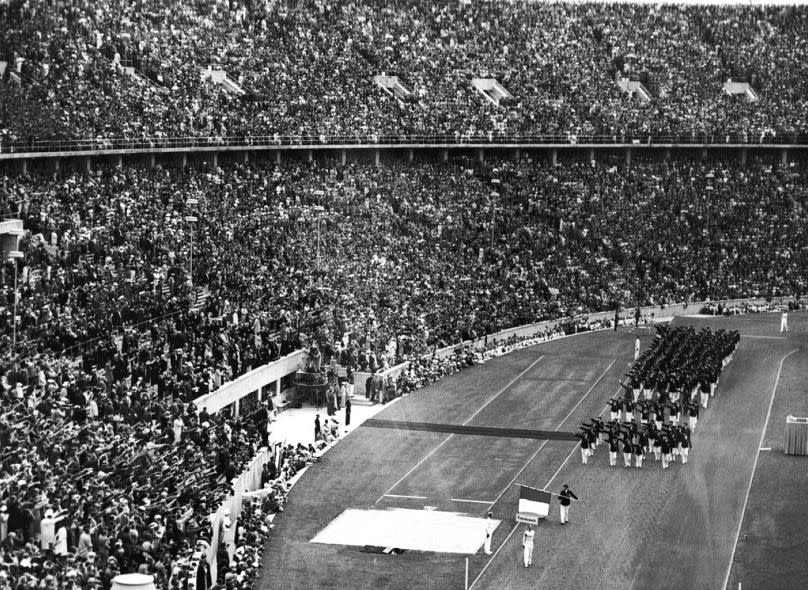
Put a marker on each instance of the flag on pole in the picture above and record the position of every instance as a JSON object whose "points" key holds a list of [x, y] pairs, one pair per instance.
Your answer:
{"points": [[533, 505]]}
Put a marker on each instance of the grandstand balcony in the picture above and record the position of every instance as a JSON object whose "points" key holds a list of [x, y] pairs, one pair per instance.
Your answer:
{"points": [[10, 234]]}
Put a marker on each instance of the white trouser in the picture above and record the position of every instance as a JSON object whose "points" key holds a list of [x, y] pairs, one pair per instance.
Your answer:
{"points": [[685, 451], [528, 554], [693, 420], [487, 543], [612, 458], [627, 459], [614, 415], [638, 460], [704, 398], [784, 324], [584, 455], [564, 513]]}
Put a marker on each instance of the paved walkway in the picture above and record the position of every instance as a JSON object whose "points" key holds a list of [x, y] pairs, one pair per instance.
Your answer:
{"points": [[296, 425]]}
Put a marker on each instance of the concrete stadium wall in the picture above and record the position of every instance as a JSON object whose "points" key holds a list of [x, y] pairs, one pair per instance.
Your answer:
{"points": [[255, 380], [81, 159]]}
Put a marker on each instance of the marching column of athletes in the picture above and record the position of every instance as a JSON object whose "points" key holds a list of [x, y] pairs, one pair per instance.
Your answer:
{"points": [[657, 410], [659, 406]]}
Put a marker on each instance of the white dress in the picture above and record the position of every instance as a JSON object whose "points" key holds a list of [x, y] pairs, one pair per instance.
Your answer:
{"points": [[527, 540], [61, 541], [47, 532], [178, 423]]}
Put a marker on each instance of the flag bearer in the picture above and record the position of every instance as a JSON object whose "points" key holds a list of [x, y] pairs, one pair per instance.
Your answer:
{"points": [[564, 504]]}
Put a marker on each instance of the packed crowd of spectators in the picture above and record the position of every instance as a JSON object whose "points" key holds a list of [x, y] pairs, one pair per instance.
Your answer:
{"points": [[307, 69], [107, 257], [106, 465]]}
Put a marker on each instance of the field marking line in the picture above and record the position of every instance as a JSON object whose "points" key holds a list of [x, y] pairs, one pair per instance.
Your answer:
{"points": [[541, 446], [765, 448], [399, 496], [516, 526], [754, 468], [472, 501], [480, 409], [760, 337]]}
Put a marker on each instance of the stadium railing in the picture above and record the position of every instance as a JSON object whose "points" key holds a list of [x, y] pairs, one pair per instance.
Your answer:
{"points": [[100, 146]]}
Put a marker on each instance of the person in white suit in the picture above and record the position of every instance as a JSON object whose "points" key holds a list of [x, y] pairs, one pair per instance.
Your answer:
{"points": [[527, 545], [490, 525]]}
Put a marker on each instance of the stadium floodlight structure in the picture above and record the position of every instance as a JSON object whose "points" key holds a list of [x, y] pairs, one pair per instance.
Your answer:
{"points": [[493, 195], [318, 209], [192, 202], [14, 256], [191, 219]]}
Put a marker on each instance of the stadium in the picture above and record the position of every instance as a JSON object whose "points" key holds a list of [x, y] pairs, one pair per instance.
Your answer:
{"points": [[412, 294]]}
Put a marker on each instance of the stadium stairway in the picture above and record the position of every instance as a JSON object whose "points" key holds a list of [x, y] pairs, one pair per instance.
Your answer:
{"points": [[201, 298], [220, 77], [393, 86], [361, 400], [491, 89]]}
